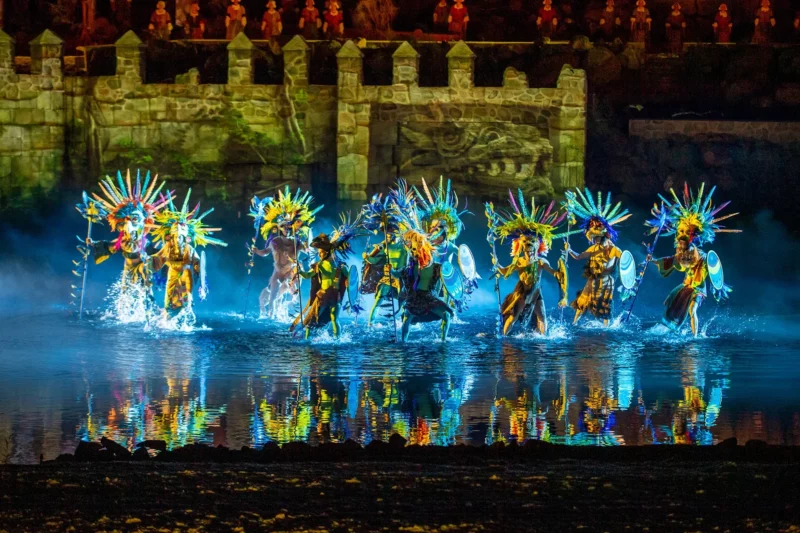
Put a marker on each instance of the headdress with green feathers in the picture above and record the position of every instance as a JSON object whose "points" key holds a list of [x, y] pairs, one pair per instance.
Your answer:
{"points": [[540, 222], [389, 210], [439, 211], [583, 206], [339, 242], [199, 233], [286, 214], [696, 214]]}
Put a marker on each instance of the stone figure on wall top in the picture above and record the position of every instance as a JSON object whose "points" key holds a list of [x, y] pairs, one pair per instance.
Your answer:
{"points": [[765, 24], [160, 22], [440, 17], [271, 25], [723, 25], [310, 22], [640, 23], [610, 21], [547, 20], [458, 19], [676, 27], [333, 27], [235, 20], [195, 25]]}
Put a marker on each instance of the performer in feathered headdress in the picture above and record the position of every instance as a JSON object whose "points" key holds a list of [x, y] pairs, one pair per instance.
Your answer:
{"points": [[597, 220], [330, 277], [694, 222], [439, 216], [179, 233], [131, 209], [423, 281], [383, 271], [531, 232], [285, 225], [440, 219]]}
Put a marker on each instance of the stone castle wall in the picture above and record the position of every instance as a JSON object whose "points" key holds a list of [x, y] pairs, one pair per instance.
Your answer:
{"points": [[483, 138], [774, 132]]}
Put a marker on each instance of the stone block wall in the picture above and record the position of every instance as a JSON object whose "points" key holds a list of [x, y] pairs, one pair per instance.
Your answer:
{"points": [[483, 138], [32, 115], [774, 132]]}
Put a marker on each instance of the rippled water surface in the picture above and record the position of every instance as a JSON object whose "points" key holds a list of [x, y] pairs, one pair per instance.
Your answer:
{"points": [[242, 382]]}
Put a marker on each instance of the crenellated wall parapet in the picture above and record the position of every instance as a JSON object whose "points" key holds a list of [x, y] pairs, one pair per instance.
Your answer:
{"points": [[487, 137]]}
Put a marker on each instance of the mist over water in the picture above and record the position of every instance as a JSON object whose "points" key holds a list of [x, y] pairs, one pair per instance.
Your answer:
{"points": [[239, 381]]}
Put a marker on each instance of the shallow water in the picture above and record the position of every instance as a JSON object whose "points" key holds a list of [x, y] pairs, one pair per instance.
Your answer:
{"points": [[236, 382]]}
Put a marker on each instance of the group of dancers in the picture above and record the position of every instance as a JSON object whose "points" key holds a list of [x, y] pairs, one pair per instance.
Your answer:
{"points": [[413, 263]]}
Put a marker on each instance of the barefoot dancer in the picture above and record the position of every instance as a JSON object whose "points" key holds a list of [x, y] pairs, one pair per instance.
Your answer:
{"points": [[597, 221], [692, 221], [532, 234], [286, 224]]}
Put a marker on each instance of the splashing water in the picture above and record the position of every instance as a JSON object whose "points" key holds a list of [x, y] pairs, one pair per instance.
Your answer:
{"points": [[184, 321], [129, 305]]}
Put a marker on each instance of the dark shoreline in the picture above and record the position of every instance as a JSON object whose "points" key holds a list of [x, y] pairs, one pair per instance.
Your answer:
{"points": [[395, 450], [557, 495], [393, 487]]}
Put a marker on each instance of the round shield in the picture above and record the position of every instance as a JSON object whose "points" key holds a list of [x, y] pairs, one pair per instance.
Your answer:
{"points": [[466, 262], [715, 273], [452, 281], [627, 270]]}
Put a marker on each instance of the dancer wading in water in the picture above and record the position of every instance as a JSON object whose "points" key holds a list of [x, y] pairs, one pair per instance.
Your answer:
{"points": [[330, 279], [694, 223], [531, 232], [179, 233], [285, 226], [602, 256], [424, 282]]}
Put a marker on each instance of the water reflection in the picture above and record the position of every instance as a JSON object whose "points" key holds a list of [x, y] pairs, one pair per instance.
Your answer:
{"points": [[225, 385]]}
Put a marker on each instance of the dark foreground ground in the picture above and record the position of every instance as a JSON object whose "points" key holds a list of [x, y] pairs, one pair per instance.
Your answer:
{"points": [[553, 495]]}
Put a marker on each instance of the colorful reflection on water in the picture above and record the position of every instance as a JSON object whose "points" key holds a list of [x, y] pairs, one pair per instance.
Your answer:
{"points": [[237, 383]]}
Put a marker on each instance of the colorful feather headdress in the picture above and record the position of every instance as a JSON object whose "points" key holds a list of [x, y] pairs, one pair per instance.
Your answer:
{"points": [[287, 214], [392, 209], [340, 240], [584, 207], [538, 222], [199, 233], [124, 198], [439, 211], [694, 215]]}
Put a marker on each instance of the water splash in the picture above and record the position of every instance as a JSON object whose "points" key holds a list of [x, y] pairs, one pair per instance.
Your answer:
{"points": [[184, 322], [131, 305]]}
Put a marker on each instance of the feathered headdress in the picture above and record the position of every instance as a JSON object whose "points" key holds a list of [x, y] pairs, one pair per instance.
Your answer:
{"points": [[339, 242], [538, 222], [694, 216], [286, 214], [419, 246], [199, 233], [391, 209], [592, 213], [439, 211], [122, 199]]}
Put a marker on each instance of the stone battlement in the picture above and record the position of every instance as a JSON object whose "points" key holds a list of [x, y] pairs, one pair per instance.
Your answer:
{"points": [[482, 137]]}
